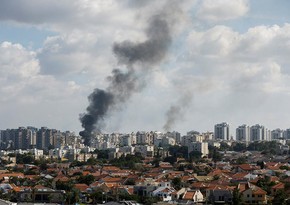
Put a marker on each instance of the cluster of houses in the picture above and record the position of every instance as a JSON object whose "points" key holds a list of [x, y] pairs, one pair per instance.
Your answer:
{"points": [[221, 183]]}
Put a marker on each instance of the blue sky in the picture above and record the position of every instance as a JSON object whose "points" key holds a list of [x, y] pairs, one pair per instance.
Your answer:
{"points": [[28, 36], [228, 61]]}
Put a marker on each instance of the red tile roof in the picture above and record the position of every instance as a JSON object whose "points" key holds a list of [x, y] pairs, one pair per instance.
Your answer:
{"points": [[189, 195], [81, 187]]}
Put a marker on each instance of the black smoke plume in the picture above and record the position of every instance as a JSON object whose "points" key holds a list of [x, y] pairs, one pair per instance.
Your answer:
{"points": [[138, 58]]}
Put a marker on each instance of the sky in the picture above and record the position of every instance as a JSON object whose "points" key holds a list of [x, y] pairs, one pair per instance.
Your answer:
{"points": [[227, 61]]}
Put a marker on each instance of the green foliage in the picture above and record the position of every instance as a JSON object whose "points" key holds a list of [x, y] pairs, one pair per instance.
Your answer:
{"points": [[214, 153], [24, 159], [265, 184], [79, 173], [261, 164], [284, 167], [127, 161], [72, 196], [178, 151], [176, 183], [241, 160], [88, 179], [280, 198], [156, 161], [76, 163], [194, 155], [237, 197], [127, 197], [170, 159], [92, 161], [102, 154], [224, 147], [64, 185], [146, 200], [43, 166], [264, 146], [239, 147], [130, 182], [11, 155]]}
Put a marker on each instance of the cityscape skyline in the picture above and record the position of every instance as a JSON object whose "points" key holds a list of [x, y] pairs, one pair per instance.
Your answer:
{"points": [[222, 61], [222, 131]]}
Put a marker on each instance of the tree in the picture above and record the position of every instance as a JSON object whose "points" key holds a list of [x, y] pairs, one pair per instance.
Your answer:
{"points": [[130, 182], [102, 154], [237, 197], [28, 159], [214, 154], [72, 196], [176, 183], [224, 146], [238, 147], [261, 164], [128, 161], [241, 160], [170, 159], [194, 156], [280, 198], [178, 151], [64, 185], [88, 179], [92, 161]]}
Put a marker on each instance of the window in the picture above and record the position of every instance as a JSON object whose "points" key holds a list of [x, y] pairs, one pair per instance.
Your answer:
{"points": [[253, 195]]}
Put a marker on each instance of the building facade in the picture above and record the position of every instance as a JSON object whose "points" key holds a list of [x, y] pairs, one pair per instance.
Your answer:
{"points": [[222, 131], [243, 133]]}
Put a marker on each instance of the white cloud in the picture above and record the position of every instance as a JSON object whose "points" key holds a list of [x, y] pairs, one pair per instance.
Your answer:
{"points": [[15, 60], [24, 90], [221, 10], [229, 73]]}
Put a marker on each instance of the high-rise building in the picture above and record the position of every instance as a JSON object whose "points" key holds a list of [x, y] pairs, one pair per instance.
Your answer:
{"points": [[222, 131], [286, 134], [243, 133], [259, 133], [40, 138], [277, 134]]}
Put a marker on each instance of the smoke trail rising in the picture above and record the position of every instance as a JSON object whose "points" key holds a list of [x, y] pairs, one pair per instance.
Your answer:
{"points": [[138, 58], [176, 111]]}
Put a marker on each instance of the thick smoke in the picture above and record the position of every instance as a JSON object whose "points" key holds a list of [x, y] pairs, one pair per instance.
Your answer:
{"points": [[138, 57], [175, 112], [149, 52]]}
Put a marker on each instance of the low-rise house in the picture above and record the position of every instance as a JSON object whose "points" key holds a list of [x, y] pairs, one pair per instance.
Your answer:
{"points": [[193, 195], [219, 194], [40, 194], [245, 168], [164, 193], [5, 187], [252, 194], [277, 187], [177, 195]]}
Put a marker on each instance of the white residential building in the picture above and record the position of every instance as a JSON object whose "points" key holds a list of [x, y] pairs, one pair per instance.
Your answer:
{"points": [[286, 134], [201, 147], [164, 193], [191, 137], [222, 131], [167, 141], [145, 150], [243, 133], [145, 138], [259, 133], [277, 134]]}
